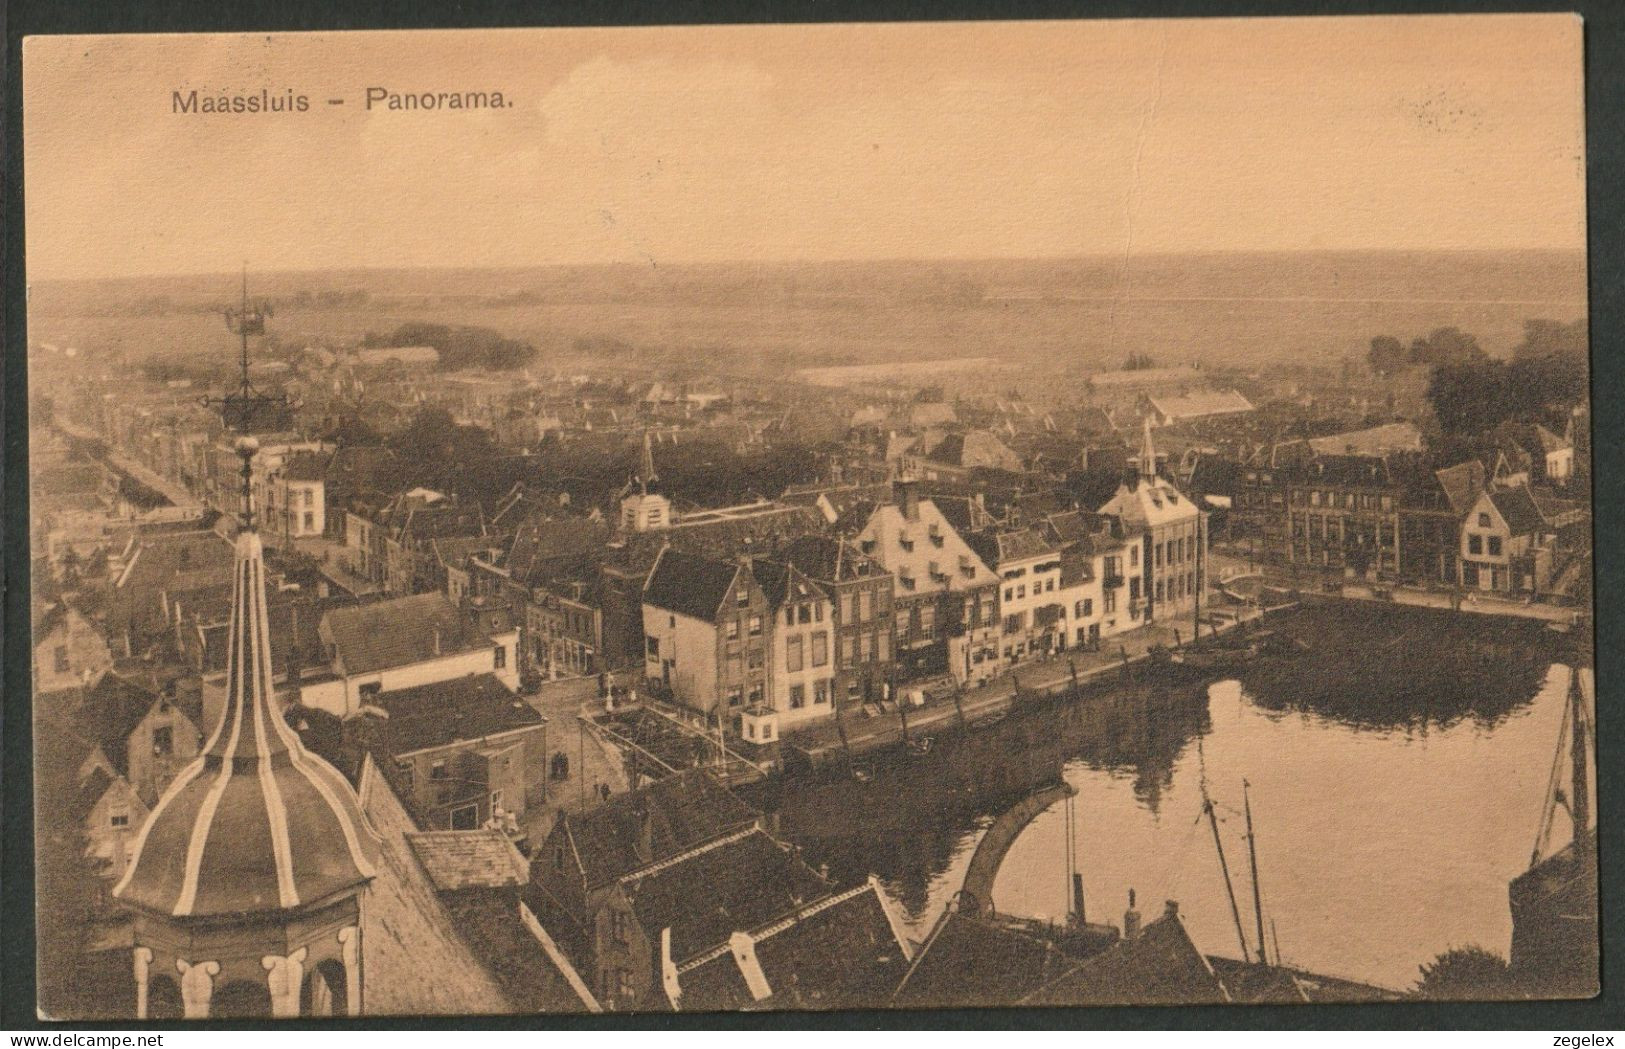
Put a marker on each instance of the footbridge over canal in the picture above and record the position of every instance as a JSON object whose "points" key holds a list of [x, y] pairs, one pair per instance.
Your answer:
{"points": [[976, 895]]}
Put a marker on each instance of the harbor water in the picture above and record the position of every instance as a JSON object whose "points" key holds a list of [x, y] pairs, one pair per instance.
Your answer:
{"points": [[1378, 846]]}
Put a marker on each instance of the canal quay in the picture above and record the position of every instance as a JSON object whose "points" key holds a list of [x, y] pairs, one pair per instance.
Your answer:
{"points": [[1395, 759]]}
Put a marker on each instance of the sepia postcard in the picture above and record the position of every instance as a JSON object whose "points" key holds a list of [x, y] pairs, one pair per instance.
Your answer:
{"points": [[810, 517]]}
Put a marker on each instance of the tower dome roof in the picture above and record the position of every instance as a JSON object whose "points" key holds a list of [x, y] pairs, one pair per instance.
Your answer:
{"points": [[256, 823]]}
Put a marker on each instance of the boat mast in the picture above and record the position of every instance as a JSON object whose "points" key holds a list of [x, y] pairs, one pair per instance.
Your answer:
{"points": [[1196, 616], [1580, 789], [1252, 862], [1224, 867]]}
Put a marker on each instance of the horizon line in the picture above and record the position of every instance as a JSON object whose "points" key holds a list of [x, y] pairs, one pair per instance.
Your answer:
{"points": [[1581, 251]]}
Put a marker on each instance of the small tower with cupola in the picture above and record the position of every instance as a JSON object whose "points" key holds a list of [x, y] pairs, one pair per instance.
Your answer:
{"points": [[248, 878]]}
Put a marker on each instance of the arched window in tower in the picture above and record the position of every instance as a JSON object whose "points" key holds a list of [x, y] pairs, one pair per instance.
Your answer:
{"points": [[164, 998], [241, 999], [324, 991]]}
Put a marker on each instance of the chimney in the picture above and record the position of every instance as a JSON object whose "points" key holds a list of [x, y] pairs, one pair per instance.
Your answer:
{"points": [[906, 494], [1131, 920], [1170, 909]]}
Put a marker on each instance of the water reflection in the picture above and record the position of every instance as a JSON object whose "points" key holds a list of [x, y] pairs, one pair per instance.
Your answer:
{"points": [[1389, 667], [1377, 849]]}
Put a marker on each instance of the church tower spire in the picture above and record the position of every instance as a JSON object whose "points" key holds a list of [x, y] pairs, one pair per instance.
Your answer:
{"points": [[646, 466], [254, 839], [1148, 454]]}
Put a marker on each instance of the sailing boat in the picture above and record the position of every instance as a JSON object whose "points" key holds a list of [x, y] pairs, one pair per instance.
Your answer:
{"points": [[1554, 903]]}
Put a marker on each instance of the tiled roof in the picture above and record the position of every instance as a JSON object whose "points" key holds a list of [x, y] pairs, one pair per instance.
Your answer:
{"points": [[1151, 504], [446, 712], [111, 711], [970, 962], [1214, 475], [539, 543], [1553, 506], [689, 584], [735, 884], [161, 555], [1517, 507], [1250, 983], [399, 632], [1353, 471], [453, 551], [1161, 966], [491, 924], [782, 582], [975, 448], [1376, 440], [841, 952], [909, 548], [304, 466], [1462, 483], [357, 467], [1021, 544], [469, 859], [1200, 403], [91, 789], [829, 559], [1547, 441], [442, 521], [684, 811]]}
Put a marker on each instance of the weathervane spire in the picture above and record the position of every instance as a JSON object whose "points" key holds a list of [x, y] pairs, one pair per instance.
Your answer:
{"points": [[239, 408]]}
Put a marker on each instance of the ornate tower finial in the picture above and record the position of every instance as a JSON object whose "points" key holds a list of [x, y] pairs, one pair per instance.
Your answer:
{"points": [[239, 408]]}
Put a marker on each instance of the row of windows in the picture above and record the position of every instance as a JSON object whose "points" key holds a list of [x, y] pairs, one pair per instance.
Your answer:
{"points": [[1336, 530], [1476, 544], [805, 612], [1346, 500], [736, 695], [861, 648], [1178, 587], [1173, 551], [793, 651], [798, 695], [1040, 586]]}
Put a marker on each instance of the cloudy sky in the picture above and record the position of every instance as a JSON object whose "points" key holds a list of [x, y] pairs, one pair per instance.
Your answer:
{"points": [[903, 141]]}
